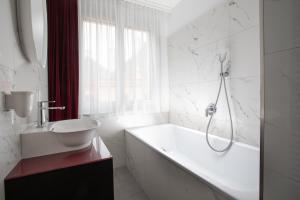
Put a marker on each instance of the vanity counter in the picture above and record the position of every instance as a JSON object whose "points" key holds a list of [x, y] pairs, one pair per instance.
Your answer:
{"points": [[96, 152], [80, 174]]}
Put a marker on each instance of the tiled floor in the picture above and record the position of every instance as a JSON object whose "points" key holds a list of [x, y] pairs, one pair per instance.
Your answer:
{"points": [[126, 187]]}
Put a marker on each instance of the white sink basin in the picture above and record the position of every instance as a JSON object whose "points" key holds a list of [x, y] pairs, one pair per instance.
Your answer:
{"points": [[75, 132]]}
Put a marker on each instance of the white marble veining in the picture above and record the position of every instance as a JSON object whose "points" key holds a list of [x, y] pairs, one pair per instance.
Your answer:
{"points": [[286, 31], [224, 20], [15, 74], [231, 27], [282, 100]]}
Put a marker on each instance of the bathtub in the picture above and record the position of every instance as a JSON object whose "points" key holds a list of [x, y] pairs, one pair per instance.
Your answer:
{"points": [[172, 162]]}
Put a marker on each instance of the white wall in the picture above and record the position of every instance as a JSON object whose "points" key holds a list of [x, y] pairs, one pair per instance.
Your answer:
{"points": [[194, 67], [282, 99], [16, 74], [187, 11], [112, 132]]}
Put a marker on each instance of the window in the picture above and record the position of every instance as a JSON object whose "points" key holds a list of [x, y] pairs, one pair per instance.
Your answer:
{"points": [[137, 66], [115, 71], [98, 71], [122, 57]]}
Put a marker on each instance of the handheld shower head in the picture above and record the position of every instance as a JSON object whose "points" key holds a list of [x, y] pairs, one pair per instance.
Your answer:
{"points": [[223, 57]]}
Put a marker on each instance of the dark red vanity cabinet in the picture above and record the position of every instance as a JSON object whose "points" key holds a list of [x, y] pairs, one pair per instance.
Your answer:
{"points": [[78, 175]]}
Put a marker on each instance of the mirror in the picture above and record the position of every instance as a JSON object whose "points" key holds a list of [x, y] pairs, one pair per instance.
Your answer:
{"points": [[32, 27]]}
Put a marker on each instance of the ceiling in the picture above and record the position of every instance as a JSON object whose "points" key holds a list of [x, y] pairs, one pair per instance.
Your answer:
{"points": [[164, 5]]}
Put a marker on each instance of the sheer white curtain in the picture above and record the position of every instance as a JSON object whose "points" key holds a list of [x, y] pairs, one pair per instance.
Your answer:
{"points": [[121, 57]]}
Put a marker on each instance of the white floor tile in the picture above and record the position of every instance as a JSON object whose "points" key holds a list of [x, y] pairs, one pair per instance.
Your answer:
{"points": [[126, 188]]}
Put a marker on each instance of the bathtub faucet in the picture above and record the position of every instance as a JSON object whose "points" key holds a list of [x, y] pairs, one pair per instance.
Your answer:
{"points": [[210, 110]]}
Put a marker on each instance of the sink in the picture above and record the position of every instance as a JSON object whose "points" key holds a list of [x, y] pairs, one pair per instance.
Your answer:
{"points": [[75, 132]]}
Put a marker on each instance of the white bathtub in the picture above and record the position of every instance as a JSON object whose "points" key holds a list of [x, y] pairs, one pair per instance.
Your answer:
{"points": [[234, 175]]}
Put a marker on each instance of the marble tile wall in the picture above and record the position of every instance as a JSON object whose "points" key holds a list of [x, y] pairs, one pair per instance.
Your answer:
{"points": [[231, 28], [15, 74], [282, 99]]}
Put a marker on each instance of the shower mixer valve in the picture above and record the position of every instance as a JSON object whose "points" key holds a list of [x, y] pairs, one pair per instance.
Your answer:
{"points": [[224, 74], [210, 110]]}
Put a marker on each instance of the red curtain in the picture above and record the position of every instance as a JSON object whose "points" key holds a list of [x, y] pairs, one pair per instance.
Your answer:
{"points": [[63, 58]]}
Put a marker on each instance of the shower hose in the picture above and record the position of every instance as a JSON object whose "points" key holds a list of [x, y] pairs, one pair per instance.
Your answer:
{"points": [[223, 75]]}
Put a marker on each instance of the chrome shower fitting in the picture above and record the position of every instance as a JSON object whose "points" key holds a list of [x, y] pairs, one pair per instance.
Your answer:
{"points": [[224, 74], [210, 110], [222, 60]]}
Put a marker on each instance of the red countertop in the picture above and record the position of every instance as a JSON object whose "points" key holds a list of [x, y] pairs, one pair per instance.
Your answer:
{"points": [[96, 152]]}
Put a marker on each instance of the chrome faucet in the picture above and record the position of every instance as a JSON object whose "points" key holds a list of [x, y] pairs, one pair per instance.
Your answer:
{"points": [[41, 118], [210, 110]]}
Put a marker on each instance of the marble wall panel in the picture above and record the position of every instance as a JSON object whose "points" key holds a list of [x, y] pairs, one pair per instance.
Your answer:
{"points": [[230, 28]]}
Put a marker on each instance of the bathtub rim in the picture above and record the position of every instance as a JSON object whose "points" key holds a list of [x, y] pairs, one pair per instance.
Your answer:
{"points": [[210, 185], [255, 148], [164, 155]]}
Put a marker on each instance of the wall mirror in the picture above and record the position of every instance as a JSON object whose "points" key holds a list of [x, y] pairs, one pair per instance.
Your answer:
{"points": [[32, 28]]}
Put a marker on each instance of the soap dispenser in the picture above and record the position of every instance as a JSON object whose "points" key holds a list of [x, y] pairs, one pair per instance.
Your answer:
{"points": [[20, 101]]}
